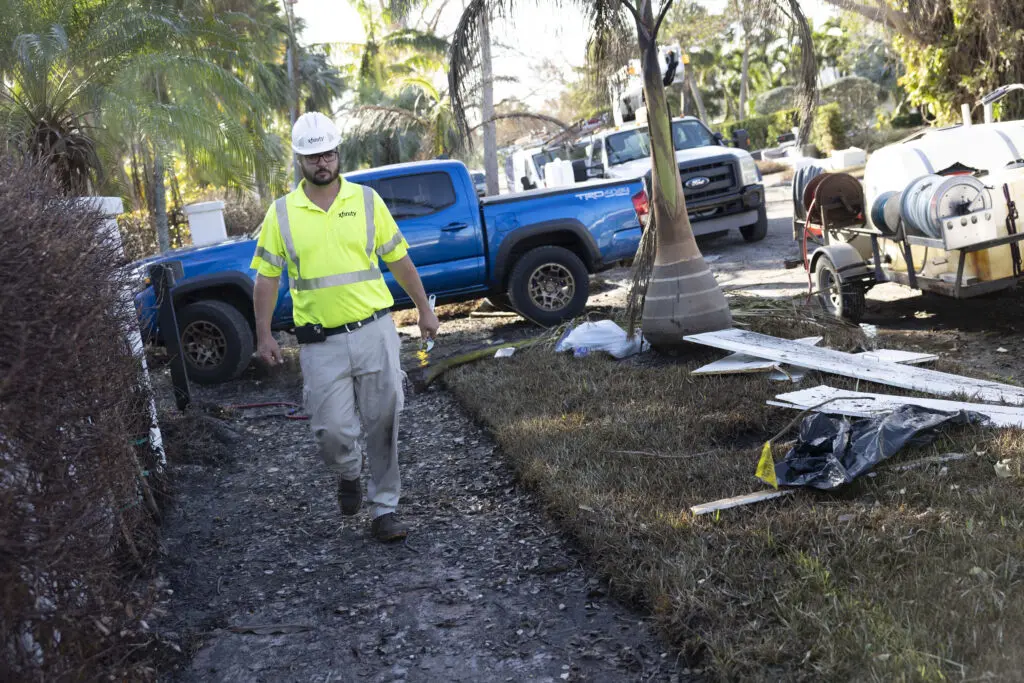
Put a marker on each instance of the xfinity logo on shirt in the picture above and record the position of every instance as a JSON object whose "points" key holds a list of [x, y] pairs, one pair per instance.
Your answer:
{"points": [[347, 214]]}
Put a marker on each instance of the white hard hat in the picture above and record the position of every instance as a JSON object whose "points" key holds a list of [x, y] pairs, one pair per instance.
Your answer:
{"points": [[314, 133]]}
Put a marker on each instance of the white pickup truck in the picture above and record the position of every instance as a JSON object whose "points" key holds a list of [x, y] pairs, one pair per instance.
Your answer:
{"points": [[722, 184]]}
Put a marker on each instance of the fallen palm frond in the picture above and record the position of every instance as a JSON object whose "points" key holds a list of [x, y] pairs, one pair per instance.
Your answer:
{"points": [[424, 375], [643, 266]]}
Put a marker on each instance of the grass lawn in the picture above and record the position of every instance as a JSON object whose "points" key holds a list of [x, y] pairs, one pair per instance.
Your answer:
{"points": [[912, 575]]}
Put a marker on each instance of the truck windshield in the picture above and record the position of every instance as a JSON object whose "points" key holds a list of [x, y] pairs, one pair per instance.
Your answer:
{"points": [[635, 144]]}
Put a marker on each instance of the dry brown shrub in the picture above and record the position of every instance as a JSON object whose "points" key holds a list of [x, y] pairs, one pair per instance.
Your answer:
{"points": [[242, 215], [73, 448]]}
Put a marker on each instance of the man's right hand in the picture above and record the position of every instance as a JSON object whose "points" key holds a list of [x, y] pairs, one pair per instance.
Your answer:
{"points": [[269, 350]]}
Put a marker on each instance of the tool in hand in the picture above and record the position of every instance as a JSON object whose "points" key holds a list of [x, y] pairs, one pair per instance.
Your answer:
{"points": [[427, 344]]}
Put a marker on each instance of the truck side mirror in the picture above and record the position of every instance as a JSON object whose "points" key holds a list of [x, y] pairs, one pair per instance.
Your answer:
{"points": [[741, 139]]}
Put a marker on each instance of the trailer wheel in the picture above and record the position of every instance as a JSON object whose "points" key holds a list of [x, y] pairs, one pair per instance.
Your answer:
{"points": [[841, 300]]}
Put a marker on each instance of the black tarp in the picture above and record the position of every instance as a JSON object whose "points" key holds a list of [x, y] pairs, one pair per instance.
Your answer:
{"points": [[833, 451]]}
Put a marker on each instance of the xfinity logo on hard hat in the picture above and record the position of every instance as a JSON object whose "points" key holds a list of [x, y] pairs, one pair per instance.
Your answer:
{"points": [[313, 141]]}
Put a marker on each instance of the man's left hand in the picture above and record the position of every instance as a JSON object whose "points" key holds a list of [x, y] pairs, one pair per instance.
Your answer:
{"points": [[428, 324]]}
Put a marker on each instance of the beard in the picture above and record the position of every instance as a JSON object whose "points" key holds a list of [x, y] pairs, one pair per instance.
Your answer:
{"points": [[320, 176]]}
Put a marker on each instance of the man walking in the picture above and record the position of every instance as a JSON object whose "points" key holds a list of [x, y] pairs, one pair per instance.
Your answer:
{"points": [[329, 233]]}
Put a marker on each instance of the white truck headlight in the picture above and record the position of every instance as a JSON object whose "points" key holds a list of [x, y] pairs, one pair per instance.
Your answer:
{"points": [[749, 175]]}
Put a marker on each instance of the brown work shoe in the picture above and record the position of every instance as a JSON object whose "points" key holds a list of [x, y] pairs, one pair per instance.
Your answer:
{"points": [[387, 528], [350, 496]]}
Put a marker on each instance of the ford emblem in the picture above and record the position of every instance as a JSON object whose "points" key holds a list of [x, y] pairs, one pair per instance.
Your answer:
{"points": [[696, 181]]}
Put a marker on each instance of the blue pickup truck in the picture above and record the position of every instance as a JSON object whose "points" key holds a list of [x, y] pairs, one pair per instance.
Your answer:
{"points": [[531, 251]]}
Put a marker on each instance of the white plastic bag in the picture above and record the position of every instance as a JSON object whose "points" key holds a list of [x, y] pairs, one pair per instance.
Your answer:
{"points": [[603, 335]]}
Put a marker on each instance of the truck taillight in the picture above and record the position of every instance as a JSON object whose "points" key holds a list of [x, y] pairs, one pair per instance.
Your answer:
{"points": [[641, 206]]}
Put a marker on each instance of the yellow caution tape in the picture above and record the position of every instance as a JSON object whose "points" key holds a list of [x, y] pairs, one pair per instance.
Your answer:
{"points": [[766, 466]]}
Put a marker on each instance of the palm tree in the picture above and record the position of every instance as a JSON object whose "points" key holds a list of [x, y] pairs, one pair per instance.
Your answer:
{"points": [[86, 86], [398, 113], [416, 123], [683, 297], [391, 50]]}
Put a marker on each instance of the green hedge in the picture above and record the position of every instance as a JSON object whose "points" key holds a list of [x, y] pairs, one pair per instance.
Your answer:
{"points": [[828, 132], [763, 130]]}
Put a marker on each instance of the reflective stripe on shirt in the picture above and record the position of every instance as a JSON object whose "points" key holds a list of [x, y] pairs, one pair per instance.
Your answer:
{"points": [[338, 279], [272, 259]]}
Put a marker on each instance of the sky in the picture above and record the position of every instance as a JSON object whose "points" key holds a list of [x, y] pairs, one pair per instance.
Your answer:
{"points": [[538, 33]]}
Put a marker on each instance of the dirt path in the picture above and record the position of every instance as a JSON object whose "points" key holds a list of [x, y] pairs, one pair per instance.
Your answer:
{"points": [[485, 588]]}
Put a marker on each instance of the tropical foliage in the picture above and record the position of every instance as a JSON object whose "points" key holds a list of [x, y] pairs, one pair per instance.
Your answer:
{"points": [[166, 101], [398, 112]]}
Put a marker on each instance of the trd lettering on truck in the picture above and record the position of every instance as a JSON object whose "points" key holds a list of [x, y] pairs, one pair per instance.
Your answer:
{"points": [[603, 194]]}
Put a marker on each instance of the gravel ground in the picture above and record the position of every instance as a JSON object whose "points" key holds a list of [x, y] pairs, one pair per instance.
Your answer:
{"points": [[484, 589]]}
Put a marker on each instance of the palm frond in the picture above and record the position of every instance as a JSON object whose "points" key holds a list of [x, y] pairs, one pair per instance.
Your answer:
{"points": [[419, 41], [604, 16], [771, 13]]}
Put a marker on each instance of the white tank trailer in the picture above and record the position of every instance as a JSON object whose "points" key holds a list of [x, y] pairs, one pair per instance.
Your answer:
{"points": [[939, 211]]}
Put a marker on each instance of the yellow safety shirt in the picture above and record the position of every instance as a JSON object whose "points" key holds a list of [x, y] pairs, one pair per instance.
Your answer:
{"points": [[331, 256]]}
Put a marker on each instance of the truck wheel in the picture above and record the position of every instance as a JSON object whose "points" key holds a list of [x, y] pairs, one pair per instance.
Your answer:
{"points": [[216, 341], [844, 301], [549, 285], [759, 230]]}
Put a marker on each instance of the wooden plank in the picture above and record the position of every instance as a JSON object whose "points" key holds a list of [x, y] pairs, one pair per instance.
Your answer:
{"points": [[851, 365], [737, 501], [930, 460], [741, 363], [861, 404], [738, 363], [899, 356]]}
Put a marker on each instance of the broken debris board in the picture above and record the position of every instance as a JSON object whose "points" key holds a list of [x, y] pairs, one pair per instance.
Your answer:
{"points": [[738, 363], [898, 356], [860, 404], [851, 365], [737, 501]]}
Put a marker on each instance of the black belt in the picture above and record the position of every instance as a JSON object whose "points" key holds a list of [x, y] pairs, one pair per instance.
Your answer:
{"points": [[314, 333], [352, 327]]}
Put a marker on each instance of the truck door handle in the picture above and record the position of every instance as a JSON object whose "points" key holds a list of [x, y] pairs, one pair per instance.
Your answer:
{"points": [[454, 227]]}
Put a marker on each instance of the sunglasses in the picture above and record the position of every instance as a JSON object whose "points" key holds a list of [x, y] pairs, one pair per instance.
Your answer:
{"points": [[326, 156]]}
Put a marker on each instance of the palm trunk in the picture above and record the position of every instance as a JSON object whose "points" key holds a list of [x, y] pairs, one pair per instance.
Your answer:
{"points": [[744, 78], [487, 107], [697, 99], [163, 237], [683, 296]]}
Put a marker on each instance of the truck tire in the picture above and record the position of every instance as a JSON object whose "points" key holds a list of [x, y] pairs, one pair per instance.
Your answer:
{"points": [[759, 230], [844, 301], [549, 285], [216, 341]]}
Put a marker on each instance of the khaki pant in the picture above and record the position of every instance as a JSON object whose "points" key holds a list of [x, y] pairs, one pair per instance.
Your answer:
{"points": [[351, 376]]}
